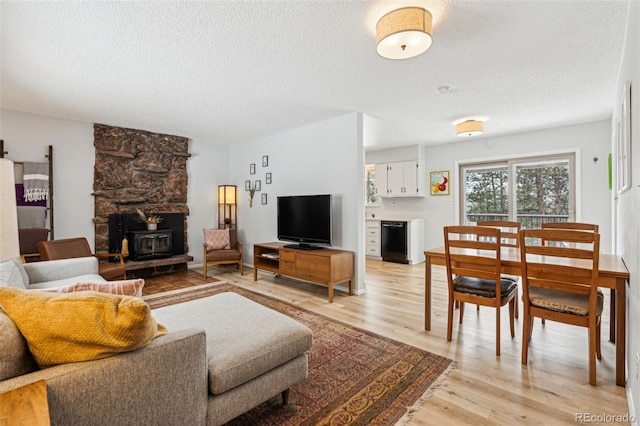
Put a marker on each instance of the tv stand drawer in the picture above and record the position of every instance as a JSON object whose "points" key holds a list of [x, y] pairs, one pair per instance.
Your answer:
{"points": [[318, 267], [287, 268], [287, 255]]}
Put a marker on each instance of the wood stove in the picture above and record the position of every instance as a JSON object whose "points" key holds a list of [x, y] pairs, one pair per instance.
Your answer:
{"points": [[123, 225], [150, 244]]}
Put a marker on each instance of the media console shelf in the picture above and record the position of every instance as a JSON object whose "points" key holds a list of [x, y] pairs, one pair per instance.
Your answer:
{"points": [[323, 266]]}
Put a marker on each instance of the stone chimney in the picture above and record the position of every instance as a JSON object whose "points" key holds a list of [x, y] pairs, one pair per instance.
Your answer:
{"points": [[135, 169]]}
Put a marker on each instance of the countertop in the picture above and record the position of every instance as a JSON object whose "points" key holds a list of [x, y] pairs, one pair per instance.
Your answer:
{"points": [[395, 219]]}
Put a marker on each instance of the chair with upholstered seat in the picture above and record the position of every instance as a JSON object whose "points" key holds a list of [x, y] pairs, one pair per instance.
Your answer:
{"points": [[472, 256], [559, 283], [576, 226], [509, 230], [509, 238], [29, 239], [221, 247], [79, 247]]}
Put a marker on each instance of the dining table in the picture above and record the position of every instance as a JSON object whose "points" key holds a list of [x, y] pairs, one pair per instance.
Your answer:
{"points": [[612, 274]]}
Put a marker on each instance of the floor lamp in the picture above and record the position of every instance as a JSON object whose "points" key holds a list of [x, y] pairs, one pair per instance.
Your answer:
{"points": [[9, 243]]}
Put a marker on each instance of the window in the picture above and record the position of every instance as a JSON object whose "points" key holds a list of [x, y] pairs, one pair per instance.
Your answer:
{"points": [[528, 190], [370, 186]]}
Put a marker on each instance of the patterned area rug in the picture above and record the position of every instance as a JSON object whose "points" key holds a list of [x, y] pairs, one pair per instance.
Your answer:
{"points": [[355, 377]]}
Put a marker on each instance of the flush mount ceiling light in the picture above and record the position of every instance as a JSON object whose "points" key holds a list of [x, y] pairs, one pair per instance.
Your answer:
{"points": [[404, 33], [470, 128]]}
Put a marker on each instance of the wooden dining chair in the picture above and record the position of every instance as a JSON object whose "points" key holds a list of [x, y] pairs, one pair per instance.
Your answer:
{"points": [[559, 283], [509, 238], [509, 230], [576, 226], [472, 255]]}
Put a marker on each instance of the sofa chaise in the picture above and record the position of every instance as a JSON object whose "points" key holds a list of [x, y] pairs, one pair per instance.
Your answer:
{"points": [[223, 355]]}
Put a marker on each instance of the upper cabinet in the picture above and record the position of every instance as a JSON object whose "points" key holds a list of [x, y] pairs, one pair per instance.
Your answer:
{"points": [[381, 180], [401, 179]]}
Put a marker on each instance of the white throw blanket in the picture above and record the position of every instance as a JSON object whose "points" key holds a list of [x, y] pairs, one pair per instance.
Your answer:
{"points": [[36, 181]]}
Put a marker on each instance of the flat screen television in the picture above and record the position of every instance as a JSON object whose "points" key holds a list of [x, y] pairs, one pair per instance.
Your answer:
{"points": [[305, 220]]}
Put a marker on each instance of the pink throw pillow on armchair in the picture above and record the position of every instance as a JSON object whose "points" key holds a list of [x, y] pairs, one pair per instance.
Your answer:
{"points": [[217, 239]]}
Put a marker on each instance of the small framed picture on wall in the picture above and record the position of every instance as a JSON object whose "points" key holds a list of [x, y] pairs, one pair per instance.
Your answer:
{"points": [[265, 161], [247, 185], [258, 186], [252, 168], [263, 198], [439, 182], [267, 178]]}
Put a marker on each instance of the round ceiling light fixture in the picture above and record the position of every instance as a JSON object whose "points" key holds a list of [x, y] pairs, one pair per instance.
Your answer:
{"points": [[470, 128], [404, 33]]}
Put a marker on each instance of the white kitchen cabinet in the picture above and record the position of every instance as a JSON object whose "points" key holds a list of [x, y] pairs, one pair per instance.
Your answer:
{"points": [[373, 238], [381, 180], [401, 179]]}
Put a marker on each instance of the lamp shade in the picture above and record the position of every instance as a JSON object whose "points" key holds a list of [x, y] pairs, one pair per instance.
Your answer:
{"points": [[227, 194], [404, 33], [9, 244], [470, 128]]}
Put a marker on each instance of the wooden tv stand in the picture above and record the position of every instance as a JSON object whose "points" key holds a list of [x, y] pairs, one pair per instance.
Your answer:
{"points": [[322, 266]]}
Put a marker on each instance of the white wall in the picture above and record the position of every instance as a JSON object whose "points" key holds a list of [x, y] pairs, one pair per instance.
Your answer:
{"points": [[27, 138], [208, 167], [627, 205], [591, 139], [322, 158]]}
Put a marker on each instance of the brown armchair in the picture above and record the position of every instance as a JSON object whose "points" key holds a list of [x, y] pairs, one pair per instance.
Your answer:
{"points": [[29, 239], [79, 247], [228, 256]]}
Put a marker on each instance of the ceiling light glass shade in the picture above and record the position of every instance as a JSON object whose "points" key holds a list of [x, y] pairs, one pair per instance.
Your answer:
{"points": [[470, 128], [404, 33]]}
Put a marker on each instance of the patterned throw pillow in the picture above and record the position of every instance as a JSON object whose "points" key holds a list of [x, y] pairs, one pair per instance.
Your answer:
{"points": [[123, 287], [216, 239], [81, 326]]}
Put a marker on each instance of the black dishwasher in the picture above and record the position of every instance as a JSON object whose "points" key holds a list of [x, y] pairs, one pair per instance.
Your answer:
{"points": [[394, 241]]}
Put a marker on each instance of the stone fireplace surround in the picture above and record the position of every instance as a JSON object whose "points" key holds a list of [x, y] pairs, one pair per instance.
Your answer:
{"points": [[135, 169]]}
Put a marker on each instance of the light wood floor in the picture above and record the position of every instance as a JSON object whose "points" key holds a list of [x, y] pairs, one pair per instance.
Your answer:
{"points": [[483, 389]]}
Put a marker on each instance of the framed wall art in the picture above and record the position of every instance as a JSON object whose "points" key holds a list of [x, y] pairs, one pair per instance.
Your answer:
{"points": [[439, 182], [265, 161], [624, 134], [252, 168], [258, 186], [247, 185], [267, 178], [263, 198]]}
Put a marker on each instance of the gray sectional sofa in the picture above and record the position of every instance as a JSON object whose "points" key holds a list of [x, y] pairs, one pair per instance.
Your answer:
{"points": [[50, 274], [223, 355]]}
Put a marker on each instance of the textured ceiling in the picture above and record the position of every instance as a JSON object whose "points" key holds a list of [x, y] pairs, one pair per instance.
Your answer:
{"points": [[232, 71]]}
